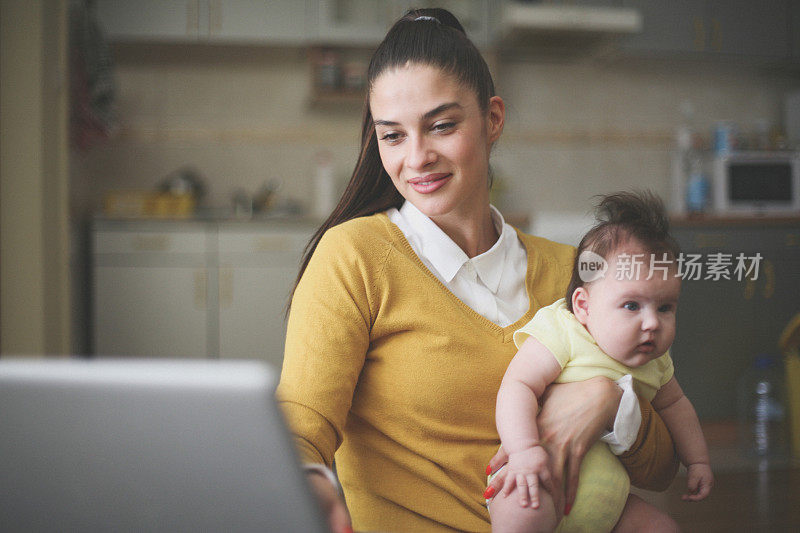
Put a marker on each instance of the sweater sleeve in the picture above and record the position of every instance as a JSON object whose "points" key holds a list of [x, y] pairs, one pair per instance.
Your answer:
{"points": [[326, 342], [652, 461]]}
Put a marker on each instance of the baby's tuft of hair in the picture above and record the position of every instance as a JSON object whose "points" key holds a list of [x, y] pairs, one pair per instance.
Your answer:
{"points": [[640, 215], [624, 217]]}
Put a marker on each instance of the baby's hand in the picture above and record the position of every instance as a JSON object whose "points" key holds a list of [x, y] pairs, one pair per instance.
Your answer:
{"points": [[526, 469], [700, 482]]}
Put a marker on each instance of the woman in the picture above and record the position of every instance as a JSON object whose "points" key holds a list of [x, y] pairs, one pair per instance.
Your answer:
{"points": [[401, 322]]}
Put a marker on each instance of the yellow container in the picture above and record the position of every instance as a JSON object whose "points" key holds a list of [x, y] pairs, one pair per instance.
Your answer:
{"points": [[790, 346], [148, 204], [793, 393]]}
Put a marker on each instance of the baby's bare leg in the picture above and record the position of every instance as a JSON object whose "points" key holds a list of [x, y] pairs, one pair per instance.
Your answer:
{"points": [[508, 516], [638, 515]]}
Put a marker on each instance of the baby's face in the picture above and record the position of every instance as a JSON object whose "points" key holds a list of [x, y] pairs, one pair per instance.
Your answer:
{"points": [[632, 320]]}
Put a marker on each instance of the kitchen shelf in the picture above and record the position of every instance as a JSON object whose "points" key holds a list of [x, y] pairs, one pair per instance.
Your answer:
{"points": [[337, 98], [338, 74]]}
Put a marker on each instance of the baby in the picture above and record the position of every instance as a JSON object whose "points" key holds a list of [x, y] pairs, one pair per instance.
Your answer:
{"points": [[612, 323]]}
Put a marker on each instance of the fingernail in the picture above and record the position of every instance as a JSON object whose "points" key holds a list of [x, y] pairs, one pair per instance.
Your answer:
{"points": [[488, 470], [567, 509], [488, 493], [348, 530]]}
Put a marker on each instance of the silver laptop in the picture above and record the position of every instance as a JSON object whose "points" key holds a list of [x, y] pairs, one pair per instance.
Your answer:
{"points": [[146, 445]]}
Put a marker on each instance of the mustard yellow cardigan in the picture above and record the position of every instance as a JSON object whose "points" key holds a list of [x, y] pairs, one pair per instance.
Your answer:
{"points": [[387, 369]]}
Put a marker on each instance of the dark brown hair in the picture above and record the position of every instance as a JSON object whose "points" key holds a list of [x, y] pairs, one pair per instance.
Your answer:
{"points": [[623, 217], [422, 36]]}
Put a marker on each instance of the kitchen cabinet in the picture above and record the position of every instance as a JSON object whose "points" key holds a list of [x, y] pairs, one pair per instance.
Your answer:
{"points": [[194, 289], [257, 268], [278, 22], [742, 28], [150, 291], [355, 22], [256, 21], [794, 26], [365, 22], [173, 20], [723, 324]]}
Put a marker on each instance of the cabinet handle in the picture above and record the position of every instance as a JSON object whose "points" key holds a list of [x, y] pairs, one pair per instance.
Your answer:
{"points": [[225, 288], [769, 274], [699, 34], [716, 35], [192, 17], [151, 243], [749, 288], [200, 288]]}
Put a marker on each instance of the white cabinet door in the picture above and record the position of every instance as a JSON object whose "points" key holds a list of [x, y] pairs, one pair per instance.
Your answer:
{"points": [[257, 269], [251, 315], [150, 311], [150, 290], [355, 22], [157, 20], [256, 21]]}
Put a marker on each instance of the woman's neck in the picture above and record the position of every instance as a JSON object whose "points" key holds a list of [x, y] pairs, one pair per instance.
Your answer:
{"points": [[473, 234]]}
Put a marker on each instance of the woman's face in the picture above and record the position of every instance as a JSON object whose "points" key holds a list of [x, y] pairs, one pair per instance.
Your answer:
{"points": [[434, 139]]}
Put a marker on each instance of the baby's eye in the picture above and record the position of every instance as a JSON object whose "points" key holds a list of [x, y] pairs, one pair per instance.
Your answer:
{"points": [[631, 306], [666, 308]]}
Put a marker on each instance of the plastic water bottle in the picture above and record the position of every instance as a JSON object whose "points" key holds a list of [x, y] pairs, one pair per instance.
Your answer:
{"points": [[763, 429], [697, 189]]}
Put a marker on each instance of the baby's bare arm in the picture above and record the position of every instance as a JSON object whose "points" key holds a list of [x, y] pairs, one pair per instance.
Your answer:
{"points": [[532, 369], [681, 419]]}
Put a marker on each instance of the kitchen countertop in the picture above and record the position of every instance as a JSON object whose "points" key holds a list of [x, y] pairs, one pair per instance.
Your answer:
{"points": [[226, 216], [719, 220]]}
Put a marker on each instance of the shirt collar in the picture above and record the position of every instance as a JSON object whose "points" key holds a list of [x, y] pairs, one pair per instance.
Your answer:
{"points": [[491, 263], [439, 249], [445, 255]]}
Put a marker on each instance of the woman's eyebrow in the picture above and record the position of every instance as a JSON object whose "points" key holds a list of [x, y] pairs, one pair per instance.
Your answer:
{"points": [[440, 109], [428, 115]]}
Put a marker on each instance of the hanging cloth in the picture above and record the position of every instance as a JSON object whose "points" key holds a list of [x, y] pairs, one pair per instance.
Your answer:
{"points": [[93, 114]]}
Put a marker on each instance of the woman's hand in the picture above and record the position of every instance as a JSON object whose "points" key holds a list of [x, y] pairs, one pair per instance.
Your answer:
{"points": [[572, 419], [331, 502]]}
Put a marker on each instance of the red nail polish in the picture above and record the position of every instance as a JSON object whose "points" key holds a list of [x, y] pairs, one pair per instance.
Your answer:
{"points": [[348, 530], [567, 509], [488, 470], [488, 493]]}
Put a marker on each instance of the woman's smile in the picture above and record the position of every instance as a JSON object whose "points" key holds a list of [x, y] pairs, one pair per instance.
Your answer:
{"points": [[430, 183]]}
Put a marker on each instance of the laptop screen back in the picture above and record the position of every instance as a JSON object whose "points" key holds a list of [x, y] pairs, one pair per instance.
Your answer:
{"points": [[142, 445]]}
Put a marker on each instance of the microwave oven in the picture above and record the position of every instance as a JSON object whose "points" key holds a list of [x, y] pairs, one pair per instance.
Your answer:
{"points": [[756, 182]]}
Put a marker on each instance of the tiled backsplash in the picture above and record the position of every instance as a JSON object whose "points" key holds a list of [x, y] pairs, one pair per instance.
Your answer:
{"points": [[241, 116]]}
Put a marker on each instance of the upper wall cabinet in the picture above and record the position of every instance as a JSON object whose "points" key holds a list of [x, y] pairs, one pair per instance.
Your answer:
{"points": [[276, 21], [176, 20], [716, 27], [236, 21], [365, 22]]}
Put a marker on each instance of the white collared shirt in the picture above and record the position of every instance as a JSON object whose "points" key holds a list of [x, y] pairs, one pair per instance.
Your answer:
{"points": [[492, 283]]}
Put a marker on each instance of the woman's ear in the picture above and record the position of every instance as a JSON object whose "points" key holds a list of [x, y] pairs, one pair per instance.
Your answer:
{"points": [[497, 118], [580, 304]]}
